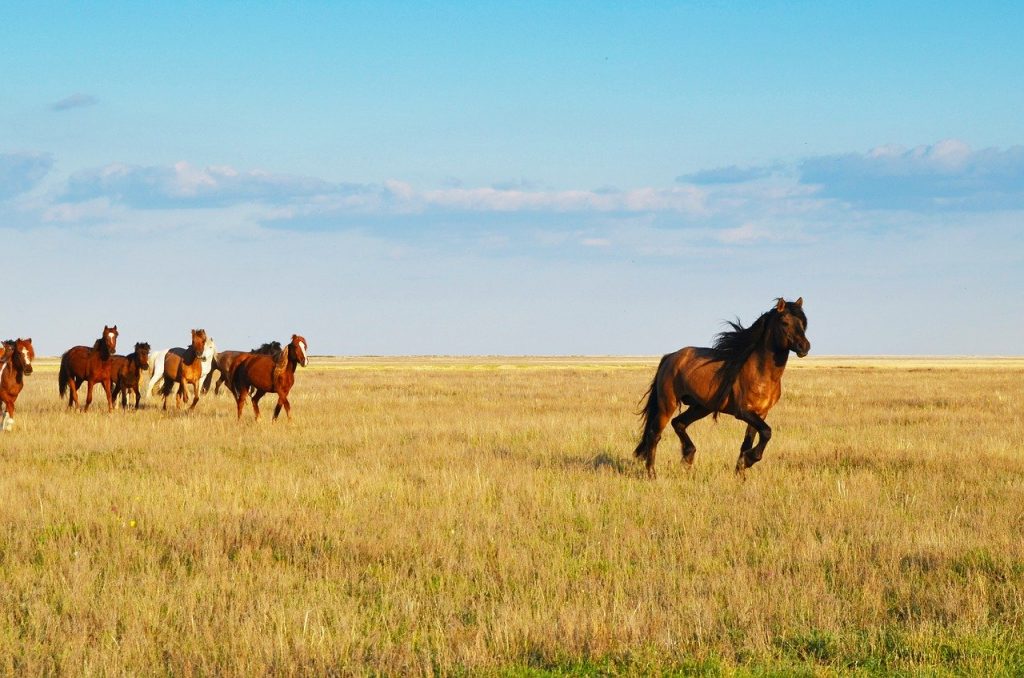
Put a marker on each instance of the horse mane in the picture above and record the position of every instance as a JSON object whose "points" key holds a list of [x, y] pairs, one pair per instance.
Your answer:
{"points": [[733, 347], [101, 346], [272, 348]]}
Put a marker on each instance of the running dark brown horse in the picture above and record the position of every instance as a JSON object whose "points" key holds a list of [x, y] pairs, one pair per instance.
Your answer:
{"points": [[740, 375], [16, 363], [91, 365], [183, 366], [126, 371], [269, 374], [224, 363]]}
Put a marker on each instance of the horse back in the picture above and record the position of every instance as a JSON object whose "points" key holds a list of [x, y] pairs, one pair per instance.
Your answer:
{"points": [[176, 364], [256, 370], [83, 362]]}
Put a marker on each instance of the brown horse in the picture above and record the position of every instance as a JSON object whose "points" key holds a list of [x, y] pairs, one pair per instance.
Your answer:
{"points": [[269, 374], [224, 362], [92, 365], [125, 372], [15, 364], [183, 366], [740, 375]]}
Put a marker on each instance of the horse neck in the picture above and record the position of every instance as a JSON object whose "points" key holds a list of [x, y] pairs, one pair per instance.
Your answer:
{"points": [[101, 347], [12, 370], [286, 363], [135, 363], [769, 358]]}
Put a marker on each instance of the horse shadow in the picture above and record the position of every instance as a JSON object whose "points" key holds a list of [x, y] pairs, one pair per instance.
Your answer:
{"points": [[604, 461]]}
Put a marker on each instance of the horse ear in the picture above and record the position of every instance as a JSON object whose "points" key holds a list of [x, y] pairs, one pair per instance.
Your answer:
{"points": [[780, 305], [294, 337], [799, 302]]}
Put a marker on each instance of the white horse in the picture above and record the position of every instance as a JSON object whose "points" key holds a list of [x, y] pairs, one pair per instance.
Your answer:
{"points": [[156, 360]]}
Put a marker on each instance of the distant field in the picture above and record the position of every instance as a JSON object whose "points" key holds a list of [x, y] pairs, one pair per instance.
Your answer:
{"points": [[479, 515]]}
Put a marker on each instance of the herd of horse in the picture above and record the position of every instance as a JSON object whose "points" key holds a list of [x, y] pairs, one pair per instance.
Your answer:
{"points": [[739, 375], [248, 375]]}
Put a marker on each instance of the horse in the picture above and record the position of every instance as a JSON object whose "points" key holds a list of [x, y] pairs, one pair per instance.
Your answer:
{"points": [[156, 360], [16, 363], [183, 366], [225, 361], [125, 372], [740, 375], [269, 374], [92, 365]]}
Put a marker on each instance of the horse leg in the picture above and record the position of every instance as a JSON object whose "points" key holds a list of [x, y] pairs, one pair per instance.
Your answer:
{"points": [[282, 400], [88, 395], [195, 395], [73, 392], [748, 439], [692, 414], [256, 402], [751, 455], [106, 389], [8, 417], [240, 397]]}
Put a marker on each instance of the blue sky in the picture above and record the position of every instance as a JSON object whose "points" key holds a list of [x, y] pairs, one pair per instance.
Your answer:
{"points": [[520, 178]]}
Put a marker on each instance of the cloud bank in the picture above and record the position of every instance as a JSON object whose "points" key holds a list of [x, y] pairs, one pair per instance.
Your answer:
{"points": [[949, 175]]}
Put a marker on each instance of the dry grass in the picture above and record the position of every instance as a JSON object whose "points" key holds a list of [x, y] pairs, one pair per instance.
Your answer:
{"points": [[438, 516]]}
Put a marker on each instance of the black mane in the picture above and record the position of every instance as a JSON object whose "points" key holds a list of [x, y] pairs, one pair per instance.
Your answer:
{"points": [[101, 346], [271, 348]]}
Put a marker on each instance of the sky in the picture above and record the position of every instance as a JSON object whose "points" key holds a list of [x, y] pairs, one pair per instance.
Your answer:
{"points": [[513, 178]]}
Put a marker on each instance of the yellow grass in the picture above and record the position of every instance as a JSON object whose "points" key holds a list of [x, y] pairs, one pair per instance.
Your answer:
{"points": [[484, 515]]}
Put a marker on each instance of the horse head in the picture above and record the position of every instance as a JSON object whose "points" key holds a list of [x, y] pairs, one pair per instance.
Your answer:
{"points": [[199, 341], [298, 348], [110, 338], [791, 325], [209, 350], [20, 353], [142, 355]]}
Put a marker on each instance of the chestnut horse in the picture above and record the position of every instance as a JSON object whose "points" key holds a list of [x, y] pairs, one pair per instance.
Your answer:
{"points": [[183, 366], [15, 364], [268, 374], [225, 361], [92, 365], [156, 359], [740, 375], [125, 372]]}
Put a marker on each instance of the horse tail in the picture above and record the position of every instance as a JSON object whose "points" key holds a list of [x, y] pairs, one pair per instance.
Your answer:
{"points": [[167, 386], [649, 416], [63, 377]]}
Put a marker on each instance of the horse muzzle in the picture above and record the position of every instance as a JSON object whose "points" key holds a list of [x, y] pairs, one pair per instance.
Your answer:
{"points": [[28, 368]]}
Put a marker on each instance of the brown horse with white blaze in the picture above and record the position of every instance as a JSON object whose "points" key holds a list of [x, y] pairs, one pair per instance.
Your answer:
{"points": [[224, 363], [269, 374], [184, 366], [91, 365], [16, 362], [740, 375]]}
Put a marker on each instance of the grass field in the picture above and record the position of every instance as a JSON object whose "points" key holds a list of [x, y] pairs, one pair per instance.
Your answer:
{"points": [[484, 516]]}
